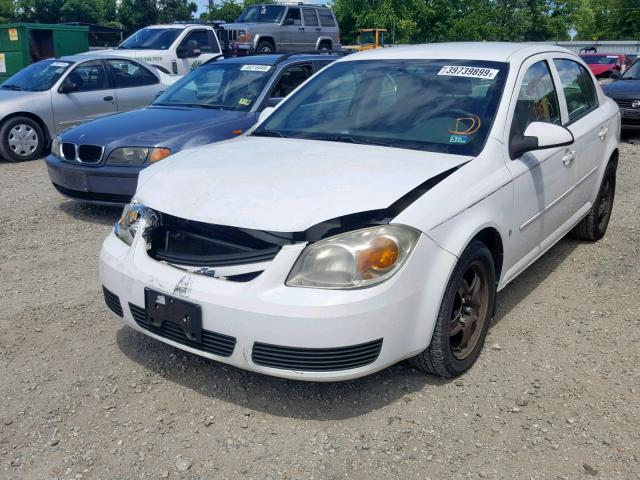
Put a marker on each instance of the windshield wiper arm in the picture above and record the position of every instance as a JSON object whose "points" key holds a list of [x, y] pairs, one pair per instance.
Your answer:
{"points": [[12, 87], [268, 133], [348, 139]]}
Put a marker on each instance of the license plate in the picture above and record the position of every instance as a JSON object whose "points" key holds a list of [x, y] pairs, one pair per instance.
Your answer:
{"points": [[75, 180], [163, 309]]}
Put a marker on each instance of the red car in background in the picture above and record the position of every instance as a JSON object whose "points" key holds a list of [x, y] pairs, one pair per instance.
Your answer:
{"points": [[603, 65]]}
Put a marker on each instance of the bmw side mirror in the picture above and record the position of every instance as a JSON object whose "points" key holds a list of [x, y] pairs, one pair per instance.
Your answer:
{"points": [[539, 136], [274, 101], [68, 86]]}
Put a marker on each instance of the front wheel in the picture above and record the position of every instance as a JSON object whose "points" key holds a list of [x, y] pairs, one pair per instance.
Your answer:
{"points": [[21, 139], [265, 47], [464, 316]]}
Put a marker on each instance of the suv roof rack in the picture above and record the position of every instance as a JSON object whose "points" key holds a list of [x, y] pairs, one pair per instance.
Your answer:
{"points": [[295, 3]]}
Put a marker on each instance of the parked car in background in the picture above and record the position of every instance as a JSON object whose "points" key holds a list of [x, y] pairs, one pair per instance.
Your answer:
{"points": [[100, 161], [607, 66], [373, 216], [278, 27], [626, 93], [174, 49], [52, 95]]}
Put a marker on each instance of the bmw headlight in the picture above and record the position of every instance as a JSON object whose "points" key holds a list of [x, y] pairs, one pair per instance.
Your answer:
{"points": [[133, 214], [137, 155], [56, 147], [355, 259]]}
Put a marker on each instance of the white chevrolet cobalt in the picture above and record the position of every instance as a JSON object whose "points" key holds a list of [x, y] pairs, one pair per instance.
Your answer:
{"points": [[372, 216]]}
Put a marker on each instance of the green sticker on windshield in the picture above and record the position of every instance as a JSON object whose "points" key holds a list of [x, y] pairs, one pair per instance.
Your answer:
{"points": [[245, 101]]}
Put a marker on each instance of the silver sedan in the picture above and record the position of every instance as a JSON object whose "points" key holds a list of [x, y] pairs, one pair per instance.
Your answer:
{"points": [[52, 95]]}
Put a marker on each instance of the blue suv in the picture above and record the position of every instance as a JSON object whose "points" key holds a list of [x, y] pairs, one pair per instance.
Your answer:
{"points": [[99, 161]]}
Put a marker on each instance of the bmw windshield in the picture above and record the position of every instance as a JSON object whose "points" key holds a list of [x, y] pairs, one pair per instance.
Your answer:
{"points": [[37, 77], [227, 86], [151, 39], [434, 105]]}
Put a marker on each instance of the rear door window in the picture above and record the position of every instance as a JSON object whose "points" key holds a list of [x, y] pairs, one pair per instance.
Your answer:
{"points": [[126, 74], [310, 17], [579, 89], [326, 17]]}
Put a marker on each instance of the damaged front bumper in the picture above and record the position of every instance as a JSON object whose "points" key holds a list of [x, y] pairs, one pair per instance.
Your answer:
{"points": [[298, 333]]}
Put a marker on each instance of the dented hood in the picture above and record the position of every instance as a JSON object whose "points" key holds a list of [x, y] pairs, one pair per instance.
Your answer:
{"points": [[284, 185]]}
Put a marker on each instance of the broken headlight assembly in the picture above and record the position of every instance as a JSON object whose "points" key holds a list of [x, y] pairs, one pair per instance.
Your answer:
{"points": [[357, 259], [132, 216]]}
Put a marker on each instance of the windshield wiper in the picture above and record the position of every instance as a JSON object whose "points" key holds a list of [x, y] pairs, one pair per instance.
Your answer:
{"points": [[12, 87], [268, 133], [348, 139]]}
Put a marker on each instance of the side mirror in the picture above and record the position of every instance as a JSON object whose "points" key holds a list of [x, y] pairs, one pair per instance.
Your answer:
{"points": [[274, 101], [68, 86], [539, 136], [265, 113], [288, 21]]}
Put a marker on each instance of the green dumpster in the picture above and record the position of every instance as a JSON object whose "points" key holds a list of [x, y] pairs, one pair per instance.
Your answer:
{"points": [[25, 43]]}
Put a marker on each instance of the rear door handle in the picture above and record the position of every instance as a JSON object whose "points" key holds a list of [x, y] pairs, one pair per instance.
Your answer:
{"points": [[570, 156], [301, 29], [108, 98], [603, 133], [318, 29]]}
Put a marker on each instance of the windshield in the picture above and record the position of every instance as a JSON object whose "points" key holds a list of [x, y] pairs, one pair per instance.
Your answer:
{"points": [[151, 39], [434, 105], [262, 14], [601, 59], [37, 77], [633, 72], [227, 86]]}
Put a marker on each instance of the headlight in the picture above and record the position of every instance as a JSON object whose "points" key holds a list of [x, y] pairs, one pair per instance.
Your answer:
{"points": [[137, 155], [56, 147], [129, 222], [354, 260]]}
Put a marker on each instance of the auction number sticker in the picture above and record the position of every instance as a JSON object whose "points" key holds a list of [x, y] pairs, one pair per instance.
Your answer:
{"points": [[470, 72], [256, 68]]}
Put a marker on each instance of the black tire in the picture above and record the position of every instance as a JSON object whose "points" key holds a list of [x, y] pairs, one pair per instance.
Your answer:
{"points": [[324, 46], [21, 139], [265, 46], [593, 227], [447, 355]]}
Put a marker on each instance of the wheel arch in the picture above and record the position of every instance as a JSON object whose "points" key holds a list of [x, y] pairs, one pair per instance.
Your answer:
{"points": [[36, 118], [491, 237], [322, 40], [265, 38]]}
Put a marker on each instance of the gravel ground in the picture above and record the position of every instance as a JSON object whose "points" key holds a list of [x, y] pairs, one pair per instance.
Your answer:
{"points": [[555, 395]]}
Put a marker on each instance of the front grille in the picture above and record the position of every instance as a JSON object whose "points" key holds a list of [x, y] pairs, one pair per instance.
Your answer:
{"points": [[90, 153], [112, 301], [316, 359], [624, 102], [93, 196], [69, 151], [631, 121], [189, 243], [212, 342]]}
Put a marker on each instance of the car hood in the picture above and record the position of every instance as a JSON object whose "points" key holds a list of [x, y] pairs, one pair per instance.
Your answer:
{"points": [[160, 127], [599, 69], [16, 96], [624, 88], [285, 185]]}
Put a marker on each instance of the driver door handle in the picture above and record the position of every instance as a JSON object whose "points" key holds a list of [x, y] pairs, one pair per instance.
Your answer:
{"points": [[108, 98], [301, 29], [603, 133], [569, 157]]}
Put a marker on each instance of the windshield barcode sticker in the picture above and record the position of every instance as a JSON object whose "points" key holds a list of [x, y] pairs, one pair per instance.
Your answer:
{"points": [[471, 72], [59, 64], [256, 68]]}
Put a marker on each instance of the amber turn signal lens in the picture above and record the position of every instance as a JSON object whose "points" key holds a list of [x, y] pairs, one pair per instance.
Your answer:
{"points": [[379, 258], [129, 217], [156, 154]]}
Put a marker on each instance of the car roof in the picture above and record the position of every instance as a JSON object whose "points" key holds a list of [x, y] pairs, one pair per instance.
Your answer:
{"points": [[277, 58], [489, 51], [603, 55]]}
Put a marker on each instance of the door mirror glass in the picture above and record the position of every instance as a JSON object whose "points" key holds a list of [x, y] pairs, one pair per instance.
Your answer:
{"points": [[539, 136], [68, 86], [265, 113]]}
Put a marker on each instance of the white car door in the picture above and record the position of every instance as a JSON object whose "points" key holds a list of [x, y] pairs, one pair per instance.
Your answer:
{"points": [[83, 94], [206, 44], [135, 85], [543, 180], [587, 123]]}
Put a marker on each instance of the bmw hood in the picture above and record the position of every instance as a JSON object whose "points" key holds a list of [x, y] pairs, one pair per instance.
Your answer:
{"points": [[285, 185], [160, 126], [623, 89]]}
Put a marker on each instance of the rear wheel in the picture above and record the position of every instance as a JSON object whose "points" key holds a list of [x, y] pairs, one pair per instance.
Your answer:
{"points": [[265, 46], [464, 317], [21, 138], [594, 225], [324, 46]]}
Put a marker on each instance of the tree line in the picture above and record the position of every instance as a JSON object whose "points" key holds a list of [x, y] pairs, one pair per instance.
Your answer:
{"points": [[408, 21]]}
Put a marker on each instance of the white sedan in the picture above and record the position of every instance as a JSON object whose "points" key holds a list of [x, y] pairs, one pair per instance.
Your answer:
{"points": [[373, 216]]}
